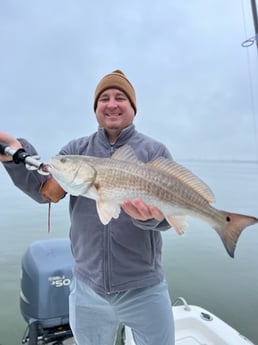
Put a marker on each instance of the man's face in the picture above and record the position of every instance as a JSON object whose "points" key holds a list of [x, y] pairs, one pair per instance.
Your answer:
{"points": [[114, 111]]}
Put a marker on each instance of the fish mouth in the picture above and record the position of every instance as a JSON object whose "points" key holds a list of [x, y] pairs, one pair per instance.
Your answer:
{"points": [[50, 167], [46, 168]]}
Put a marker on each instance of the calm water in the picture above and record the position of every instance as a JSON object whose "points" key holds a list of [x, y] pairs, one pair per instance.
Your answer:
{"points": [[197, 265]]}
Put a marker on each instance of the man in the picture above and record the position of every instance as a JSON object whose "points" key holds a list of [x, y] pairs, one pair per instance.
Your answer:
{"points": [[118, 276]]}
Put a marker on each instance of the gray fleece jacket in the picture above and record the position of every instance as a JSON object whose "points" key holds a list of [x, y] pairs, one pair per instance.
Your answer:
{"points": [[124, 254]]}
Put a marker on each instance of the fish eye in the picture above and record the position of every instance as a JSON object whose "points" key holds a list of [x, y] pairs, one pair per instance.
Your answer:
{"points": [[63, 160]]}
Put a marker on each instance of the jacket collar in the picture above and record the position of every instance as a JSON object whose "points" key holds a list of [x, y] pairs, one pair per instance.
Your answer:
{"points": [[123, 138]]}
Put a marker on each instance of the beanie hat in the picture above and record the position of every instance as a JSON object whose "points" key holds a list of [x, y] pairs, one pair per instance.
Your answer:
{"points": [[116, 80]]}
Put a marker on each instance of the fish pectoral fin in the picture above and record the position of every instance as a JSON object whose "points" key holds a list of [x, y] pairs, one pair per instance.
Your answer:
{"points": [[107, 211], [178, 223]]}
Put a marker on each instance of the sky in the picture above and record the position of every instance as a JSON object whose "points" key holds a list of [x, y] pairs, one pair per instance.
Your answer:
{"points": [[196, 85]]}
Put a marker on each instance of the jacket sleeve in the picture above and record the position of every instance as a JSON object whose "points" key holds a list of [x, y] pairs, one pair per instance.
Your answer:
{"points": [[29, 181], [151, 224]]}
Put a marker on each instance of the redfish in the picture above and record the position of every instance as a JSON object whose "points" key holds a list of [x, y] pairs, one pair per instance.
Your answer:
{"points": [[162, 183]]}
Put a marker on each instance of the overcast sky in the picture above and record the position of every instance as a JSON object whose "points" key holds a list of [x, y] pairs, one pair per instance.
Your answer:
{"points": [[196, 85]]}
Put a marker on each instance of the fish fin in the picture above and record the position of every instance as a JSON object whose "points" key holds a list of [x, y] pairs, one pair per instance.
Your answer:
{"points": [[235, 224], [91, 193], [184, 175], [125, 153], [107, 211], [178, 223]]}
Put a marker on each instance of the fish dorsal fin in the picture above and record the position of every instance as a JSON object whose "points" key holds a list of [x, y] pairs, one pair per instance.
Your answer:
{"points": [[184, 175], [126, 153]]}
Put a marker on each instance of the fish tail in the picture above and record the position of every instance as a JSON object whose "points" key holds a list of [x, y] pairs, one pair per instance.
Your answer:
{"points": [[234, 225]]}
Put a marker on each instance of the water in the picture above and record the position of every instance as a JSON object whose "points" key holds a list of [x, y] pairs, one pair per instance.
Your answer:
{"points": [[197, 265]]}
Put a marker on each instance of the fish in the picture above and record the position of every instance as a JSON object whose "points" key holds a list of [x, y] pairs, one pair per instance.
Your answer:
{"points": [[172, 188]]}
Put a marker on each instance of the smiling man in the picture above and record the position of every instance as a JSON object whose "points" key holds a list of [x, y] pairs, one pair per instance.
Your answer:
{"points": [[114, 103], [118, 276]]}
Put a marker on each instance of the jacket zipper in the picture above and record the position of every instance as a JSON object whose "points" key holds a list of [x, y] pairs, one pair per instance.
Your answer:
{"points": [[112, 148]]}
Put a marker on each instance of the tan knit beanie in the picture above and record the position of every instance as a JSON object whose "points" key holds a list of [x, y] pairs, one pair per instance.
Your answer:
{"points": [[116, 80]]}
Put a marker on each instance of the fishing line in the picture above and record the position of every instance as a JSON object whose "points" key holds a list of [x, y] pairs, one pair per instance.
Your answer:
{"points": [[48, 217]]}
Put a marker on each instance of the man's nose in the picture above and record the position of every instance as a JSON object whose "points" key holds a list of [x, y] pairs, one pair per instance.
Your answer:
{"points": [[112, 103]]}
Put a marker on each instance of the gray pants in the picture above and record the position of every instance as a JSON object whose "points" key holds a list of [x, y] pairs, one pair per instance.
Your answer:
{"points": [[95, 318]]}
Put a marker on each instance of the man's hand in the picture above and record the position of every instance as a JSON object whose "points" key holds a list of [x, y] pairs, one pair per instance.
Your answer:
{"points": [[9, 141], [139, 210]]}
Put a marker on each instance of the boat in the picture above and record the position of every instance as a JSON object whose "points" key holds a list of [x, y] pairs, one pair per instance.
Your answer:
{"points": [[195, 325], [46, 274]]}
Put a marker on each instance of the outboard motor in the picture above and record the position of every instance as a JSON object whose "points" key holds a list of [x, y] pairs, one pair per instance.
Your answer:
{"points": [[45, 278]]}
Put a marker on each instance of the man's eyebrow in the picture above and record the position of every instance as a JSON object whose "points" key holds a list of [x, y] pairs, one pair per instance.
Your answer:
{"points": [[121, 93], [118, 93], [104, 95]]}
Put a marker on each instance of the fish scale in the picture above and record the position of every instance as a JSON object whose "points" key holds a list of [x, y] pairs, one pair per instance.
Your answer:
{"points": [[141, 181]]}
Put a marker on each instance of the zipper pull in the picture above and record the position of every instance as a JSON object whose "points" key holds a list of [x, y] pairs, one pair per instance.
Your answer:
{"points": [[112, 148]]}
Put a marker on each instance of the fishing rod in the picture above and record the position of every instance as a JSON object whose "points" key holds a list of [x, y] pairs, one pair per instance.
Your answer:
{"points": [[21, 156], [255, 19], [250, 41]]}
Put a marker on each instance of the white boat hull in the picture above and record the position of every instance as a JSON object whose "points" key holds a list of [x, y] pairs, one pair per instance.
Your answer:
{"points": [[197, 326]]}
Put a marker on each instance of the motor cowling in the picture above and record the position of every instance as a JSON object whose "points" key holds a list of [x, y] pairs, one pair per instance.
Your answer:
{"points": [[46, 275]]}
